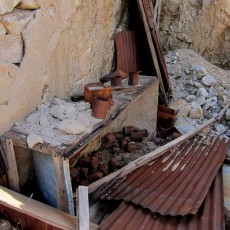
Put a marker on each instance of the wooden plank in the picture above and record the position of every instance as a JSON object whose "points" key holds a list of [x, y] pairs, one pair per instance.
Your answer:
{"points": [[82, 208], [62, 180], [12, 172], [40, 212], [147, 158], [152, 50]]}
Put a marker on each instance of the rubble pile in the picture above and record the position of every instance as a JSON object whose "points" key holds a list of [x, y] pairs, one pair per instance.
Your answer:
{"points": [[201, 90]]}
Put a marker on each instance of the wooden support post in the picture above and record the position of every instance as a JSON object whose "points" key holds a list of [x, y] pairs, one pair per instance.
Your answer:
{"points": [[152, 50], [12, 172], [82, 208]]}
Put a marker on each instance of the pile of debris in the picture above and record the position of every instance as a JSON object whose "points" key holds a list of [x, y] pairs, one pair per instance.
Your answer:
{"points": [[116, 150], [200, 89]]}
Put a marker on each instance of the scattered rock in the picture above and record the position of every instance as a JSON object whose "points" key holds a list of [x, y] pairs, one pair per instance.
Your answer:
{"points": [[28, 5], [33, 139], [178, 73], [178, 104], [16, 21], [196, 111], [72, 127], [11, 49], [197, 84], [199, 71], [33, 118], [201, 101], [184, 111], [208, 80], [185, 124], [202, 92], [227, 114], [7, 6], [220, 128], [190, 98], [44, 121]]}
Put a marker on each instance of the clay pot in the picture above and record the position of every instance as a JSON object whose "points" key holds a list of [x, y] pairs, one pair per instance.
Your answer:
{"points": [[133, 78], [93, 90], [100, 107]]}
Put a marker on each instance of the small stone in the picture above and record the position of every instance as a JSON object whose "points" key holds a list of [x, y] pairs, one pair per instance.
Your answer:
{"points": [[197, 84], [196, 111], [11, 49], [187, 71], [178, 73], [190, 98], [199, 71], [178, 104], [33, 139], [227, 114], [208, 80], [28, 5], [184, 111], [16, 21], [44, 121], [220, 128], [185, 124], [201, 100], [2, 30], [72, 127], [7, 6], [202, 92]]}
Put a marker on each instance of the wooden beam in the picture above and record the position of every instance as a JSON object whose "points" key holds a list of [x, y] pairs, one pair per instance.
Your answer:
{"points": [[12, 172], [41, 213], [82, 208], [152, 50]]}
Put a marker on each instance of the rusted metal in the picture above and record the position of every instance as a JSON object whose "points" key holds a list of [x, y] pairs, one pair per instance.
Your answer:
{"points": [[210, 215], [126, 45], [119, 73], [176, 183], [137, 136], [100, 107], [133, 78], [116, 81], [128, 129], [114, 164], [133, 147]]}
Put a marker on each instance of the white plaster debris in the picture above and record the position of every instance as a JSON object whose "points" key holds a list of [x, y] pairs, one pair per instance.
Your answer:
{"points": [[33, 139], [72, 126]]}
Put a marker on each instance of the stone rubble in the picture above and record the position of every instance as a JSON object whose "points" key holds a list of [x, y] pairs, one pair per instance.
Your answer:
{"points": [[200, 91]]}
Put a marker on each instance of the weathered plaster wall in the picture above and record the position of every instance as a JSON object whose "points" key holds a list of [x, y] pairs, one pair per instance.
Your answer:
{"points": [[61, 46], [201, 25]]}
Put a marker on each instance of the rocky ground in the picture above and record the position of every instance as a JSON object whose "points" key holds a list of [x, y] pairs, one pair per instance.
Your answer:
{"points": [[200, 91]]}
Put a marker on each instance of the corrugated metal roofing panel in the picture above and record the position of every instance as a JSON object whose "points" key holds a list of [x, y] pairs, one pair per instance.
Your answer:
{"points": [[176, 183], [209, 217]]}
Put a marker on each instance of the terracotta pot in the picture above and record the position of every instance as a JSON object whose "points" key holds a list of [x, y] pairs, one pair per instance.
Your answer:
{"points": [[133, 78], [93, 90], [100, 107]]}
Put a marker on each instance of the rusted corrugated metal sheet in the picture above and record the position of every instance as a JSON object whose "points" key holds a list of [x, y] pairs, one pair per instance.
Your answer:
{"points": [[209, 217], [176, 183], [127, 58]]}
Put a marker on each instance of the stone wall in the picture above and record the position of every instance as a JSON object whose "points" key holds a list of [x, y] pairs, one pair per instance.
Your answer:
{"points": [[201, 25], [53, 47]]}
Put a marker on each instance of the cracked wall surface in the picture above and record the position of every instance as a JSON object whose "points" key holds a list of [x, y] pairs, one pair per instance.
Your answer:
{"points": [[201, 25], [53, 47]]}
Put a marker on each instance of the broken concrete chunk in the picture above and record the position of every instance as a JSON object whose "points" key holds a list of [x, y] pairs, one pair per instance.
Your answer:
{"points": [[178, 104], [82, 106], [7, 6], [63, 111], [28, 5], [44, 121], [83, 119], [196, 111], [185, 124], [220, 128], [2, 31], [11, 49], [33, 139], [208, 80], [202, 92], [16, 21], [72, 127], [201, 100], [199, 71], [184, 111]]}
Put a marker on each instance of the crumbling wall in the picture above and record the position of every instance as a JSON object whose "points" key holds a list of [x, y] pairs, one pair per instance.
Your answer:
{"points": [[201, 25], [53, 47]]}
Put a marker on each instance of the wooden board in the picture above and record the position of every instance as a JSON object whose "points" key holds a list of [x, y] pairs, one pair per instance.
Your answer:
{"points": [[35, 215]]}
